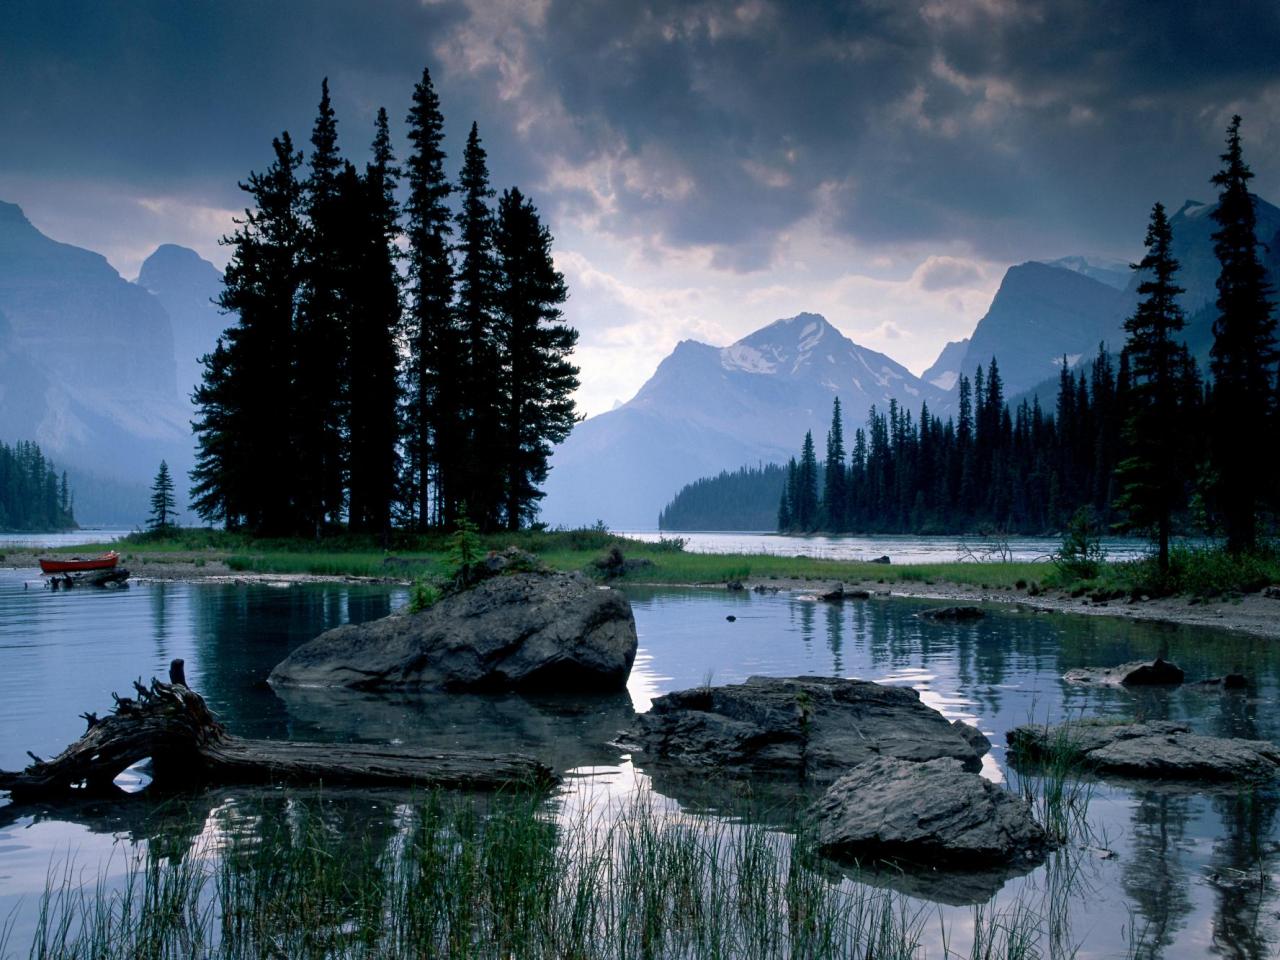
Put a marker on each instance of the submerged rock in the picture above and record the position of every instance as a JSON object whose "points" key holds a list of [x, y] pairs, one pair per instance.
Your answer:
{"points": [[1147, 673], [1230, 681], [834, 595], [807, 728], [954, 614], [932, 812], [527, 631], [1155, 749]]}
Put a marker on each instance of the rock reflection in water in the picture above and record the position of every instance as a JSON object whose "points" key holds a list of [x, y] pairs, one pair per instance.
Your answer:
{"points": [[564, 732]]}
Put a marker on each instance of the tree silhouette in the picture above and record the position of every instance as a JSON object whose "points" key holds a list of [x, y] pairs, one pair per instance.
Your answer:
{"points": [[1243, 357], [1153, 475], [163, 504]]}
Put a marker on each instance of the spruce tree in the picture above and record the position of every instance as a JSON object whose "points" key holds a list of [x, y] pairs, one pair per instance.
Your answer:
{"points": [[432, 440], [371, 298], [834, 494], [163, 504], [535, 345], [243, 418], [1243, 357], [322, 335], [1153, 475], [480, 473], [805, 512]]}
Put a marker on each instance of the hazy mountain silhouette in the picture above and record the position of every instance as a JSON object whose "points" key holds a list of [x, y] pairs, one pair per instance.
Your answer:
{"points": [[707, 408], [186, 285], [87, 370]]}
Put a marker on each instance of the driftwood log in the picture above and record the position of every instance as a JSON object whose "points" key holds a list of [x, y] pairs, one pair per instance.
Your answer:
{"points": [[171, 724]]}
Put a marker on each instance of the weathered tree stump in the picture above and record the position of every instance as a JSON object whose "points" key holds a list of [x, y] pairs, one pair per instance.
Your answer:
{"points": [[171, 724]]}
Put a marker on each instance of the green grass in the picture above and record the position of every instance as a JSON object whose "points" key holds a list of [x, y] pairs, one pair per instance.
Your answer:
{"points": [[506, 877], [461, 879], [1195, 571], [1198, 572]]}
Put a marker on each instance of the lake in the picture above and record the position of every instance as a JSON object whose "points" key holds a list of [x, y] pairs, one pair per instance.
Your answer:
{"points": [[1182, 872], [905, 548]]}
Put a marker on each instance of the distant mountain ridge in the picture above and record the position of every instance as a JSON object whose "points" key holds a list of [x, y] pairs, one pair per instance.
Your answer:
{"points": [[89, 368], [709, 408]]}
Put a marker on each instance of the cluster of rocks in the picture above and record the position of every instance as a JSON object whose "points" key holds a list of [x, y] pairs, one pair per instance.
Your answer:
{"points": [[901, 781], [1152, 673]]}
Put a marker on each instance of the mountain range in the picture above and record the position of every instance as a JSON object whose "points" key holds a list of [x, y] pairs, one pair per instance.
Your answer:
{"points": [[97, 369], [708, 409]]}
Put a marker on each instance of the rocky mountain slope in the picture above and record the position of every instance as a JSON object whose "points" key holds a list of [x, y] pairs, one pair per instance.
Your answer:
{"points": [[707, 408]]}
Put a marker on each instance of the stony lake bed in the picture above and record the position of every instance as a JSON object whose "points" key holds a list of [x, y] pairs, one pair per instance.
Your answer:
{"points": [[1154, 869]]}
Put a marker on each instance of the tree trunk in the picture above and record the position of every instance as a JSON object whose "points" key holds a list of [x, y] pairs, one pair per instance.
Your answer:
{"points": [[172, 725]]}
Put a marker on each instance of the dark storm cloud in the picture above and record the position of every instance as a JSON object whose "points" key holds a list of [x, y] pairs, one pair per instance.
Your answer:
{"points": [[1006, 124], [1021, 128]]}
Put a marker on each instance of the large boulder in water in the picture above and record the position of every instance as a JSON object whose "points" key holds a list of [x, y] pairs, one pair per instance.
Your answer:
{"points": [[1155, 749], [528, 631], [806, 728], [932, 812]]}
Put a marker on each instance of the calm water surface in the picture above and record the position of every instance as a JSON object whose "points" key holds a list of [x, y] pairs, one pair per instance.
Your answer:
{"points": [[1189, 873], [899, 549]]}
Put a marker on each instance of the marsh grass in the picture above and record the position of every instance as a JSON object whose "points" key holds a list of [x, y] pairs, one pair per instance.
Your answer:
{"points": [[461, 878], [1055, 782]]}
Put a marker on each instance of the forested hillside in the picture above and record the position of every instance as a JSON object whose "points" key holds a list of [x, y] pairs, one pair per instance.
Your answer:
{"points": [[744, 499], [32, 494]]}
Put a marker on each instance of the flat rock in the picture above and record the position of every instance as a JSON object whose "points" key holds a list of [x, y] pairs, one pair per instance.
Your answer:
{"points": [[925, 812], [527, 631], [805, 728], [1148, 673], [954, 614], [1155, 749]]}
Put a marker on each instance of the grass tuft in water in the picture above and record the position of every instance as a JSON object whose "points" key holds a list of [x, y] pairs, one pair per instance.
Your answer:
{"points": [[462, 878]]}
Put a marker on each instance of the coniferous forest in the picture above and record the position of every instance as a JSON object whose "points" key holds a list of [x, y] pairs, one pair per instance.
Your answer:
{"points": [[399, 356], [1145, 441], [32, 494]]}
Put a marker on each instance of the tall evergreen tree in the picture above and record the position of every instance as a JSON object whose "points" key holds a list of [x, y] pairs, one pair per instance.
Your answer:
{"points": [[432, 439], [479, 371], [805, 509], [1243, 357], [322, 336], [1153, 476], [371, 295], [535, 344], [163, 504], [834, 495], [242, 425]]}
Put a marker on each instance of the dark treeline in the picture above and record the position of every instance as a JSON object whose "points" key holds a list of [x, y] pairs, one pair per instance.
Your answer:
{"points": [[1025, 470], [393, 362], [744, 499], [1146, 442], [32, 494]]}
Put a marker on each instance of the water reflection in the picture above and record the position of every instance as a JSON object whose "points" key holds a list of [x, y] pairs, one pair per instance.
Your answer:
{"points": [[1197, 870]]}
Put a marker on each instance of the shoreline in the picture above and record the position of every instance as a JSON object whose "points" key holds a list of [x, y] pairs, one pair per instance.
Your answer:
{"points": [[1253, 614]]}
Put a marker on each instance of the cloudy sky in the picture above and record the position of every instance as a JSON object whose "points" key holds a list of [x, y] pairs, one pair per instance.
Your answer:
{"points": [[706, 167]]}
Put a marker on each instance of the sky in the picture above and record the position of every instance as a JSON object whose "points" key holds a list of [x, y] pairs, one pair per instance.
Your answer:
{"points": [[705, 167]]}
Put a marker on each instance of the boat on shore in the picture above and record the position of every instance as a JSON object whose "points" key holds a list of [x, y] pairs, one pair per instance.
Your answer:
{"points": [[106, 561]]}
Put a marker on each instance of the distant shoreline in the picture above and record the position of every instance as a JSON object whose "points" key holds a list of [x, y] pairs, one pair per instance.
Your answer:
{"points": [[1254, 614]]}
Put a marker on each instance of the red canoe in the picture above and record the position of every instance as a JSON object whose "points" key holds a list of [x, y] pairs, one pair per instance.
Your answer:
{"points": [[79, 564]]}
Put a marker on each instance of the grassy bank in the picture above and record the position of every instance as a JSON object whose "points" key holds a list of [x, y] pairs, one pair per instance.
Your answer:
{"points": [[1197, 572]]}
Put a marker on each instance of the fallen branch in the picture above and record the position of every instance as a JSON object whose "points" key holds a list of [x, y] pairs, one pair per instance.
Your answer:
{"points": [[172, 725]]}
